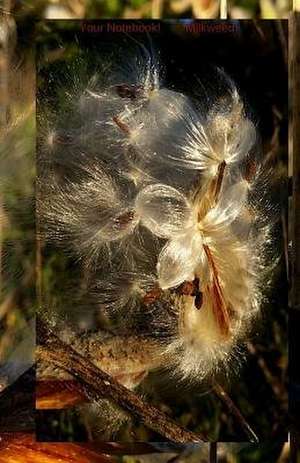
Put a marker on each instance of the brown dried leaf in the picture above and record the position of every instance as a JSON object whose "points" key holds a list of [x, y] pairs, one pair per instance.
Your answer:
{"points": [[20, 448]]}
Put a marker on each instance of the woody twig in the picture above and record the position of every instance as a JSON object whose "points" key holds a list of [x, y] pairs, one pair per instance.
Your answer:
{"points": [[96, 384]]}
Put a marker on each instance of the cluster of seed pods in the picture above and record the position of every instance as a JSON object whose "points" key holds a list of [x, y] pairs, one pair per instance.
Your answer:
{"points": [[165, 201]]}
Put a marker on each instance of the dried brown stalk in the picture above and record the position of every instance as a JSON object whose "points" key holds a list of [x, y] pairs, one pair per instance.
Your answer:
{"points": [[96, 384], [223, 9], [295, 98], [279, 25], [213, 452], [157, 9], [219, 391]]}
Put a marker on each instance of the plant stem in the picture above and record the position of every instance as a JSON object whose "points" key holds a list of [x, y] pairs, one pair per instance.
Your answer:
{"points": [[295, 218], [223, 9], [157, 8], [96, 384], [213, 458], [235, 411]]}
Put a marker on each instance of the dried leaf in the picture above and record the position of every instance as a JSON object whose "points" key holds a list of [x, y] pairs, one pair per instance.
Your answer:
{"points": [[20, 448]]}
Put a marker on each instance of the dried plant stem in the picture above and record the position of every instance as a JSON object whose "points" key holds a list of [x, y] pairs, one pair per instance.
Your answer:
{"points": [[223, 9], [277, 387], [294, 165], [38, 268], [284, 224], [295, 97], [3, 115], [1, 253], [294, 447], [4, 66], [213, 448], [4, 95], [157, 9], [282, 40], [219, 391], [96, 384]]}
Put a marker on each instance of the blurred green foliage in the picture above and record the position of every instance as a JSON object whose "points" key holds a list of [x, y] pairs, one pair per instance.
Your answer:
{"points": [[91, 9]]}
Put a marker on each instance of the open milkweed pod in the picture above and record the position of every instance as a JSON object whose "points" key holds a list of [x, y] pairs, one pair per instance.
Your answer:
{"points": [[88, 179], [166, 213], [230, 269], [224, 252]]}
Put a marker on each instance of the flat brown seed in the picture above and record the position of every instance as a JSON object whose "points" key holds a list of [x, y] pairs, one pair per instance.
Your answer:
{"points": [[128, 91], [250, 170], [123, 220], [152, 295]]}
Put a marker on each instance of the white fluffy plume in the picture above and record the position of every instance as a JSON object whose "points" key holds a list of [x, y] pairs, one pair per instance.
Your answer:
{"points": [[158, 198]]}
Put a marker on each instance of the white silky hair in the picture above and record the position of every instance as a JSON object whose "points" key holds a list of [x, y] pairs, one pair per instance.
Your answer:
{"points": [[154, 193]]}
